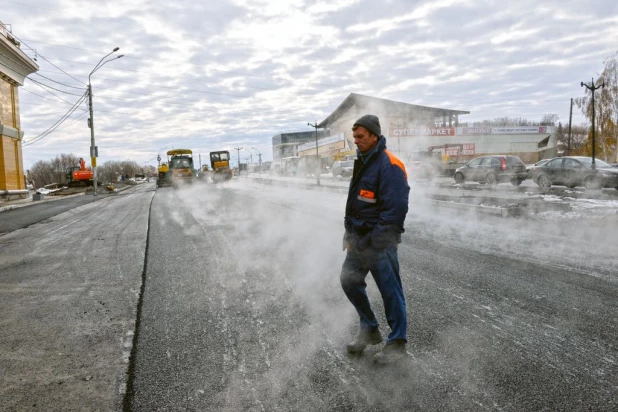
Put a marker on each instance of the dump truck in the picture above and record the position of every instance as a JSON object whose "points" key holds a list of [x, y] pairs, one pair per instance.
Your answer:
{"points": [[220, 165], [180, 162], [79, 176]]}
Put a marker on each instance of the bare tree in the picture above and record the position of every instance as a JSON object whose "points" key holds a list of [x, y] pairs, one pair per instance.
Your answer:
{"points": [[150, 170], [42, 173], [579, 138], [109, 171], [53, 171], [606, 111], [549, 119], [130, 168]]}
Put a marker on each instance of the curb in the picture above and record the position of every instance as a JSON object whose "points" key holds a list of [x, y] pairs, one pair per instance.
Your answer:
{"points": [[32, 203], [491, 210]]}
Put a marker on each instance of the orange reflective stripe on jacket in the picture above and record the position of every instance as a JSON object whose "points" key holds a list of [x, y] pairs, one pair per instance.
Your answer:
{"points": [[396, 162], [367, 194]]}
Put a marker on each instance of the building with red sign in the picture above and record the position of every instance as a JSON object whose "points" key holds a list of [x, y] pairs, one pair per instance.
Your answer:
{"points": [[410, 129]]}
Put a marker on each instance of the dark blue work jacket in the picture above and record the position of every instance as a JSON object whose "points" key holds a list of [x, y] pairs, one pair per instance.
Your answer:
{"points": [[377, 200]]}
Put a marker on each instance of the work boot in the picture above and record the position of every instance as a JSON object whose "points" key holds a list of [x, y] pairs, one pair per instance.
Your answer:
{"points": [[392, 352], [365, 337]]}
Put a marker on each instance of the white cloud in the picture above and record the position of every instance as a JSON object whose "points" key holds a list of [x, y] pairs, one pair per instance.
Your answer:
{"points": [[218, 73]]}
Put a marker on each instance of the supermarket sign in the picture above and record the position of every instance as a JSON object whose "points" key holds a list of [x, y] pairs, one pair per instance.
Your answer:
{"points": [[423, 131]]}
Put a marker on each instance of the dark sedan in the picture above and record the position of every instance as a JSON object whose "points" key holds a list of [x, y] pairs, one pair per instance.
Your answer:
{"points": [[572, 171], [492, 170]]}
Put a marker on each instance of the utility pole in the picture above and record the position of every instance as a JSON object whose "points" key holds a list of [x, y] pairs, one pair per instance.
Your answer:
{"points": [[238, 149], [94, 151], [592, 88], [200, 157], [570, 121], [317, 153]]}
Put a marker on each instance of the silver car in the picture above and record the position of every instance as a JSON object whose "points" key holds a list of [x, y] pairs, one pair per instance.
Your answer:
{"points": [[343, 168]]}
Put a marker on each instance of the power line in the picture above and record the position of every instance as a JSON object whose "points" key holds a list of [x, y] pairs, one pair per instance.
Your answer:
{"points": [[40, 114], [43, 97], [53, 88], [34, 80], [53, 127], [50, 92], [64, 84], [45, 58]]}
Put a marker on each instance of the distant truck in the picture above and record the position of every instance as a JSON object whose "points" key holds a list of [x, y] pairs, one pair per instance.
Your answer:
{"points": [[180, 162], [79, 176], [220, 165]]}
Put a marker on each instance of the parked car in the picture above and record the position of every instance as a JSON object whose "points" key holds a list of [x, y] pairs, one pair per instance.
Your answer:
{"points": [[572, 171], [342, 168], [531, 168], [493, 169]]}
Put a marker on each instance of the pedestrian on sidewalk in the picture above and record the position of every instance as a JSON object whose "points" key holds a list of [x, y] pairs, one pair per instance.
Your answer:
{"points": [[375, 212]]}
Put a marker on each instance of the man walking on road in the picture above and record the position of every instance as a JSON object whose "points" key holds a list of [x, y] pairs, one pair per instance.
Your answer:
{"points": [[375, 212]]}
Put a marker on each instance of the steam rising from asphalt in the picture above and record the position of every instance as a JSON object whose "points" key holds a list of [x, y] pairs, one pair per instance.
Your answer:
{"points": [[284, 252]]}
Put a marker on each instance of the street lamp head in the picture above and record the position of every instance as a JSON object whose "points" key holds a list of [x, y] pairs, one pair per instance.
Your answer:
{"points": [[122, 55], [116, 49], [582, 84]]}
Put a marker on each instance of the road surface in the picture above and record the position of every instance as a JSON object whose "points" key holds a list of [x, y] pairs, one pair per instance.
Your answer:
{"points": [[242, 310], [227, 298], [69, 287]]}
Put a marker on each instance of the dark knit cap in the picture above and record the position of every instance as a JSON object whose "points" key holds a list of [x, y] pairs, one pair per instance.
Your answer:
{"points": [[371, 123]]}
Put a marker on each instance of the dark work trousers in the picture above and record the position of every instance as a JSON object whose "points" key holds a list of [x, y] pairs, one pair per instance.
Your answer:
{"points": [[384, 267]]}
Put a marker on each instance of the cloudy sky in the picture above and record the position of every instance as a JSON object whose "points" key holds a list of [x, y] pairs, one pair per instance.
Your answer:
{"points": [[215, 74]]}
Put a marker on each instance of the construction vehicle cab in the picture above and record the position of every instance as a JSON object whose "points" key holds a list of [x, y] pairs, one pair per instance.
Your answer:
{"points": [[79, 176], [180, 163], [220, 164]]}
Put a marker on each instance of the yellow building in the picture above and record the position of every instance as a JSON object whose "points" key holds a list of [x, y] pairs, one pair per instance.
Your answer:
{"points": [[15, 65]]}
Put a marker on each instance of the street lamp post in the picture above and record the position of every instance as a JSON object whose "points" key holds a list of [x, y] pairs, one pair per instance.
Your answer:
{"points": [[592, 88], [317, 153], [250, 157], [93, 148], [238, 149], [259, 159]]}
